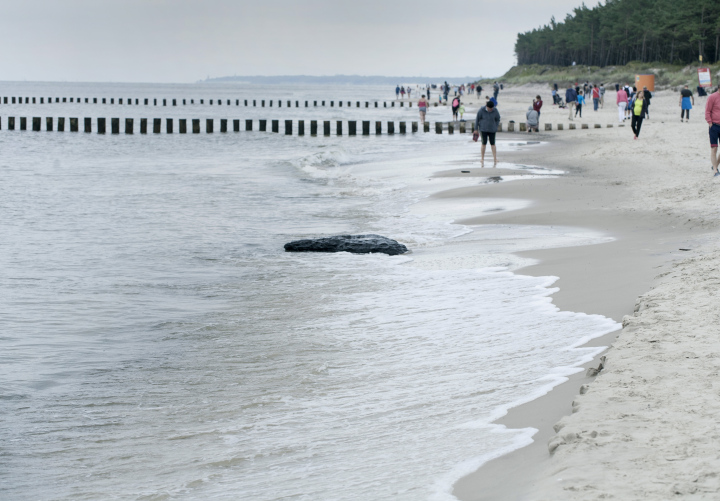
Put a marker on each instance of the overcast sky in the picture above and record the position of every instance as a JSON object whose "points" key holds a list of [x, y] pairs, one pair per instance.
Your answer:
{"points": [[188, 40]]}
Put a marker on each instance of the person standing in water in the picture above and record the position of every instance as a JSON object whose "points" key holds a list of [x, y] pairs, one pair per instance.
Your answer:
{"points": [[638, 109], [712, 117], [687, 100], [422, 107], [486, 122], [455, 107]]}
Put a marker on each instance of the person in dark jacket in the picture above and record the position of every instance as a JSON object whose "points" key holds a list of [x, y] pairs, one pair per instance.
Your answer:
{"points": [[570, 99], [638, 109], [648, 97], [486, 122]]}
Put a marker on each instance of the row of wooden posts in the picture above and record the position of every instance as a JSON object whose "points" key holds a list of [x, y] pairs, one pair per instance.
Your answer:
{"points": [[174, 102], [101, 125]]}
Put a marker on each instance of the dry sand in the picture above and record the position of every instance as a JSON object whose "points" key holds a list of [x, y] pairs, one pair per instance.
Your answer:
{"points": [[645, 427]]}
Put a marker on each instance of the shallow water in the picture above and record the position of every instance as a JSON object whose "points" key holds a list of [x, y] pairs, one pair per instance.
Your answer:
{"points": [[159, 344]]}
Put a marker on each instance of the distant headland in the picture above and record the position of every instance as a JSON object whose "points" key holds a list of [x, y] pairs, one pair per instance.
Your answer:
{"points": [[338, 80]]}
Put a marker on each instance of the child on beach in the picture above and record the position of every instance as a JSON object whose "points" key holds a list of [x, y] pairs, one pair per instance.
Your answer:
{"points": [[580, 102], [461, 110], [422, 107]]}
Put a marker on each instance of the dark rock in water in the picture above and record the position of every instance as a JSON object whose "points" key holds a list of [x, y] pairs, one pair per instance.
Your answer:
{"points": [[357, 244]]}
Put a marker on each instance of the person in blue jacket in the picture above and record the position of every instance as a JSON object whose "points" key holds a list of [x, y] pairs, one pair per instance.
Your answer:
{"points": [[397, 92], [580, 102], [570, 99]]}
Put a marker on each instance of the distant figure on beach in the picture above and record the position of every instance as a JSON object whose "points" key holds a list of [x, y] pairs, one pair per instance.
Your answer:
{"points": [[461, 110], [428, 93], [478, 90], [554, 96], [455, 106], [570, 99], [496, 90], [397, 92], [492, 100], [712, 117], [596, 97], [402, 92], [532, 117], [487, 120], [602, 95], [647, 96], [622, 102], [446, 90], [687, 101], [617, 87], [537, 104], [579, 105], [409, 92], [638, 108], [422, 107], [701, 91]]}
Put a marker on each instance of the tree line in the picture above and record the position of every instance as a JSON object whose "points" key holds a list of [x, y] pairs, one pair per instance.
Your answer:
{"points": [[620, 31]]}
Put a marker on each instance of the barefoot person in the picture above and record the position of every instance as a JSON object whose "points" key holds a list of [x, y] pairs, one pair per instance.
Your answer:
{"points": [[712, 117], [422, 106], [486, 122], [687, 101]]}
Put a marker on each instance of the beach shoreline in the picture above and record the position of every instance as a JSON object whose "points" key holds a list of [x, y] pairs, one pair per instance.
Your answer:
{"points": [[603, 278]]}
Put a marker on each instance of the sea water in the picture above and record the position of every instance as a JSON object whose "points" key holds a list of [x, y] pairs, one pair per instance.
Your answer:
{"points": [[158, 343]]}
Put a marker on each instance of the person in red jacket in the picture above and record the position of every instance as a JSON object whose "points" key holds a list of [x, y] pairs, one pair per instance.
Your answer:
{"points": [[537, 104], [712, 117], [596, 97]]}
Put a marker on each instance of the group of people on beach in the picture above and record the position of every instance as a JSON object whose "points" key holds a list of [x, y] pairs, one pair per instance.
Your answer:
{"points": [[633, 105], [576, 96]]}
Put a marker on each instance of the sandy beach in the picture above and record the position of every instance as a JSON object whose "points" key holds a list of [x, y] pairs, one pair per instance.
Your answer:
{"points": [[644, 427]]}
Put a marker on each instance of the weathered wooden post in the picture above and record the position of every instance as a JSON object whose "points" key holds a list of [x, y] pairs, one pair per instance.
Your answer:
{"points": [[301, 127], [500, 127], [184, 103], [571, 126], [114, 126], [306, 104], [548, 126], [339, 128], [323, 103], [367, 104], [48, 124], [36, 124], [403, 129], [358, 104], [511, 127], [262, 103], [196, 125], [33, 101], [276, 126], [74, 125], [236, 125], [426, 127], [169, 126], [129, 126], [101, 125], [598, 126], [352, 128], [6, 101], [414, 126], [313, 127], [23, 123], [326, 127], [289, 104], [157, 123], [391, 128], [523, 127], [119, 100], [248, 124], [376, 104], [223, 125], [288, 127], [146, 101], [209, 125], [560, 126], [13, 100], [254, 103], [462, 127], [279, 103], [263, 125], [143, 126], [438, 128], [451, 127], [202, 101], [366, 127], [378, 128], [314, 103], [584, 126], [297, 104], [246, 102], [61, 124], [401, 104], [11, 123], [64, 100], [392, 104], [88, 125], [94, 100], [182, 123], [42, 100], [174, 101], [609, 126]]}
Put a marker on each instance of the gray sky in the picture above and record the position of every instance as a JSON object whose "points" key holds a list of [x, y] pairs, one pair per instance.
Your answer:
{"points": [[187, 40]]}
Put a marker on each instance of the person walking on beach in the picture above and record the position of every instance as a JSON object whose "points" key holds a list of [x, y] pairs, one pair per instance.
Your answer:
{"points": [[409, 91], [397, 92], [647, 96], [622, 102], [478, 89], [402, 92], [687, 100], [602, 95], [596, 97], [532, 117], [461, 110], [712, 117], [496, 90], [639, 108], [570, 99], [422, 107], [580, 102], [486, 122], [455, 106]]}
